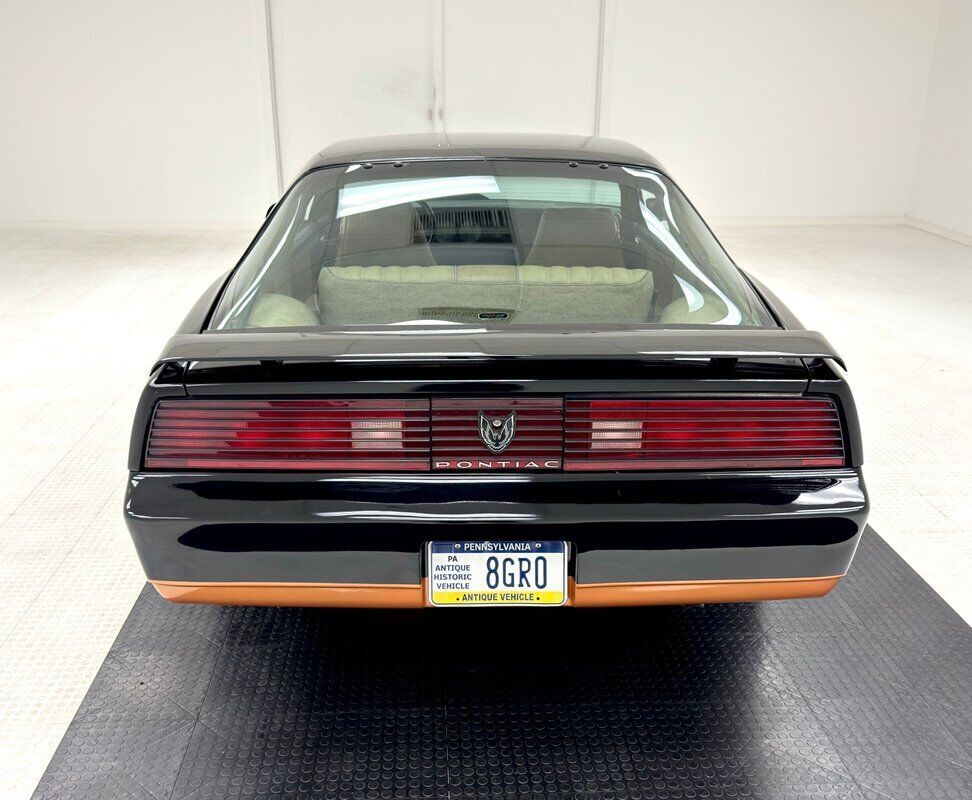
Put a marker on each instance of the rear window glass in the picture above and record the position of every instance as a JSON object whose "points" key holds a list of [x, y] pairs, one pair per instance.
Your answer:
{"points": [[486, 243]]}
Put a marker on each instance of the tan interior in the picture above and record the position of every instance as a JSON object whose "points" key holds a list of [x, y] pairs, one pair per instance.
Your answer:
{"points": [[579, 235], [540, 291], [677, 312], [384, 272], [383, 236], [528, 294], [281, 311]]}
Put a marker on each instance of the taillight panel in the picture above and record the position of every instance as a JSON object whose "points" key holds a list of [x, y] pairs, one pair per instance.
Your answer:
{"points": [[598, 434], [289, 434], [702, 434], [536, 437]]}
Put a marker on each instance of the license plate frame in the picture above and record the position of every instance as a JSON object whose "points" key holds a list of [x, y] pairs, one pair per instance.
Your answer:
{"points": [[441, 589]]}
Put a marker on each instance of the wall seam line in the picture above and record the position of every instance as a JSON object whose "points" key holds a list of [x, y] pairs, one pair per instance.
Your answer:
{"points": [[274, 115]]}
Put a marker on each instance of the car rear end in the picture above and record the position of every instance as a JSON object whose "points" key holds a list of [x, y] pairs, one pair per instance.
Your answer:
{"points": [[456, 457], [669, 481]]}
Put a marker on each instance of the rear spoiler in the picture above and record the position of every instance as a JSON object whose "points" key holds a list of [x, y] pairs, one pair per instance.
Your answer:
{"points": [[430, 346]]}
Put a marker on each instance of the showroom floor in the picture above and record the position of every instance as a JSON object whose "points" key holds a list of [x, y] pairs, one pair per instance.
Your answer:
{"points": [[83, 314], [862, 695]]}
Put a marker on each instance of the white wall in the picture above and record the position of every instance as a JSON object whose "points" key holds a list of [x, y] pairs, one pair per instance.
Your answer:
{"points": [[113, 111], [943, 179], [116, 112], [345, 70], [529, 66], [763, 108]]}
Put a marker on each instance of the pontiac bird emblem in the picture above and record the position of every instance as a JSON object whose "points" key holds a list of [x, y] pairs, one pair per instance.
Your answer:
{"points": [[497, 433]]}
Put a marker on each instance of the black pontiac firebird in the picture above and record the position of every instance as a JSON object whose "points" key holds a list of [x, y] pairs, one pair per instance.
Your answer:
{"points": [[481, 370]]}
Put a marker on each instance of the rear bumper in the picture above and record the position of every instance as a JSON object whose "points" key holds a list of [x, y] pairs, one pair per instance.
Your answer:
{"points": [[357, 540]]}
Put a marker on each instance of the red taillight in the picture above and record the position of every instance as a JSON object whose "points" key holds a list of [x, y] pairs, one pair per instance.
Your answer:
{"points": [[396, 435], [289, 434], [701, 434]]}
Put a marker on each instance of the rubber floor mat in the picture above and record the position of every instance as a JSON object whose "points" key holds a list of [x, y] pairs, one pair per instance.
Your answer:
{"points": [[866, 693]]}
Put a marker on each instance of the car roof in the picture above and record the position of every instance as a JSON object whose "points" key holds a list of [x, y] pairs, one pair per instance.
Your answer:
{"points": [[426, 146]]}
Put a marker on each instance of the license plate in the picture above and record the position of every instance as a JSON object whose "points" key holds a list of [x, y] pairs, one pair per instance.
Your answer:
{"points": [[529, 573]]}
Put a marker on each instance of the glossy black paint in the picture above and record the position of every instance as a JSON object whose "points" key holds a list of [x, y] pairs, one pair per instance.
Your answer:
{"points": [[533, 342], [636, 527], [365, 528], [195, 320], [478, 146]]}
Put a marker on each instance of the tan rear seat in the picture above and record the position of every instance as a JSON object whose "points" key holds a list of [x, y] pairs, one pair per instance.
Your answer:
{"points": [[280, 311], [530, 293], [711, 309]]}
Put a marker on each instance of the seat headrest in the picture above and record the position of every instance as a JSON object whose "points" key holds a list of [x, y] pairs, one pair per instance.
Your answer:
{"points": [[384, 236], [577, 237]]}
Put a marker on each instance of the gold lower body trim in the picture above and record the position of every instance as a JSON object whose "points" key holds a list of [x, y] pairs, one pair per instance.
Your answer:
{"points": [[326, 595], [590, 595], [675, 593]]}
